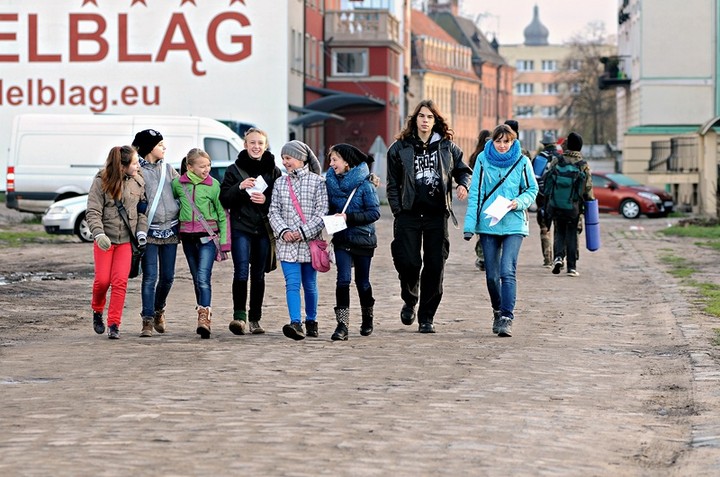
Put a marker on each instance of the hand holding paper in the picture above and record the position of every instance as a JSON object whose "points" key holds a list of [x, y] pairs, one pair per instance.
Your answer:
{"points": [[260, 186], [497, 210], [334, 223]]}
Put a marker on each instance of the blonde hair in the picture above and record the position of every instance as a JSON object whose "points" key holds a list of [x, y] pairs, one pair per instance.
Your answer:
{"points": [[193, 155]]}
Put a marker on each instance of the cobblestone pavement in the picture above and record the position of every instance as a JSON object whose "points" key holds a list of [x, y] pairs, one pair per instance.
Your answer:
{"points": [[609, 374]]}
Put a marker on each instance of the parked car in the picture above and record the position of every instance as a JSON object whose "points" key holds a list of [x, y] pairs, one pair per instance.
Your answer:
{"points": [[67, 216], [618, 193]]}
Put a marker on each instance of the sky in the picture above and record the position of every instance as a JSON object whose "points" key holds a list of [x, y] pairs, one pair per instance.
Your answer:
{"points": [[563, 18]]}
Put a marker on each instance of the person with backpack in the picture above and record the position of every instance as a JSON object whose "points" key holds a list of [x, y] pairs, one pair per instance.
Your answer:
{"points": [[567, 185], [541, 164], [502, 175], [483, 137]]}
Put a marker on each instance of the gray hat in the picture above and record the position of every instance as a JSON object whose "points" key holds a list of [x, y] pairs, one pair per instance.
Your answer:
{"points": [[548, 138], [302, 152]]}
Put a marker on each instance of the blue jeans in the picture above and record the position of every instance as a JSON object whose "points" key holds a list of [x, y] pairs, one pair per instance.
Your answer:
{"points": [[501, 254], [345, 261], [295, 273], [155, 291], [249, 255], [200, 258]]}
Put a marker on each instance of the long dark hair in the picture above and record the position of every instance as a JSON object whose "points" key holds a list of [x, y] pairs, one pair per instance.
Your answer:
{"points": [[440, 127], [482, 139], [113, 175]]}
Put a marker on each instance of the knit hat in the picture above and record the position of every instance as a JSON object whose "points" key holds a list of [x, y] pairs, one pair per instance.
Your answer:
{"points": [[548, 139], [302, 152], [513, 125], [574, 142], [351, 154], [146, 140]]}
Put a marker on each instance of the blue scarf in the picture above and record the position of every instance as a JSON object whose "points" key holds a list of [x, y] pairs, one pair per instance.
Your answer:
{"points": [[506, 159]]}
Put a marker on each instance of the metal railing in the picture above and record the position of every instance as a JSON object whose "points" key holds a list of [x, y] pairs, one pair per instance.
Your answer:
{"points": [[679, 154]]}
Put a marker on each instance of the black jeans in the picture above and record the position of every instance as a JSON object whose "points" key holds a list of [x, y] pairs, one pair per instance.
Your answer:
{"points": [[412, 234], [565, 240]]}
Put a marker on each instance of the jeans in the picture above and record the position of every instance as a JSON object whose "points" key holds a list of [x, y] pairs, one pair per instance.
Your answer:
{"points": [[566, 240], [156, 290], [412, 233], [501, 254], [249, 255], [344, 260], [112, 268], [295, 273], [200, 258]]}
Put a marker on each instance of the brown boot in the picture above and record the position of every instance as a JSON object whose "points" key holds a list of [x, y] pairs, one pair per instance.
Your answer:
{"points": [[203, 326], [147, 327], [159, 321]]}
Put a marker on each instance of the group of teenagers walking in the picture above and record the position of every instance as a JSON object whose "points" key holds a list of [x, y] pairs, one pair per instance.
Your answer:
{"points": [[138, 204]]}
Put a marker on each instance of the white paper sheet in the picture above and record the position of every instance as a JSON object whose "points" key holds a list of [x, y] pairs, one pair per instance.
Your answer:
{"points": [[497, 210], [260, 186], [334, 223]]}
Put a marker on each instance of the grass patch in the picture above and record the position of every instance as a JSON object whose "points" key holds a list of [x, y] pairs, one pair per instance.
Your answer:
{"points": [[679, 266], [711, 296], [694, 231], [10, 238], [716, 339]]}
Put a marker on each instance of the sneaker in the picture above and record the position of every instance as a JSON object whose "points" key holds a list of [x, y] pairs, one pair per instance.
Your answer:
{"points": [[159, 321], [557, 266], [480, 264], [98, 322], [426, 328], [547, 264], [255, 328], [294, 331], [238, 327], [147, 327], [407, 315], [114, 332], [573, 273], [505, 327], [311, 329], [496, 321]]}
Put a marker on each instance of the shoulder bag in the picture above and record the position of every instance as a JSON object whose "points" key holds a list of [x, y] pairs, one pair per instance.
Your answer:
{"points": [[219, 255], [137, 250], [319, 252]]}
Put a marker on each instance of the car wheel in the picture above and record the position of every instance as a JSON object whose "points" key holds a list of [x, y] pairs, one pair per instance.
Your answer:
{"points": [[630, 209], [82, 230]]}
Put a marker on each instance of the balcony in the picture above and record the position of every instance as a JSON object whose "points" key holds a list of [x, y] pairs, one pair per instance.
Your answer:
{"points": [[362, 27], [615, 72]]}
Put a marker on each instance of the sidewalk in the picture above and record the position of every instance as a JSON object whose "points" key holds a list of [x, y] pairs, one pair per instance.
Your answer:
{"points": [[608, 374]]}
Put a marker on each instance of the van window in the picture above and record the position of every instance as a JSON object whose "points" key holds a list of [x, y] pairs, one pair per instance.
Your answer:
{"points": [[220, 150]]}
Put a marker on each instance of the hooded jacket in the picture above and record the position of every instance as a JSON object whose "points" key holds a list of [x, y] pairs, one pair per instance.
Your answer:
{"points": [[102, 214], [206, 196]]}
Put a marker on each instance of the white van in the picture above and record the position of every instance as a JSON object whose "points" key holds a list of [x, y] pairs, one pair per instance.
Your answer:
{"points": [[56, 156]]}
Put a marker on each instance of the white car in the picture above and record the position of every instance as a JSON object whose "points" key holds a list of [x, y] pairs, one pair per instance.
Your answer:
{"points": [[67, 216]]}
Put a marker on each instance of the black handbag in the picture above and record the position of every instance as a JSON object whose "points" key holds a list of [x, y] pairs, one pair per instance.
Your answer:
{"points": [[137, 250]]}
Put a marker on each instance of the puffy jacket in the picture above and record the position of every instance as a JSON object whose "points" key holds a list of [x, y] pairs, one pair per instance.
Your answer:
{"points": [[245, 215], [102, 214], [401, 174], [363, 210], [312, 196], [168, 208], [520, 185], [206, 196]]}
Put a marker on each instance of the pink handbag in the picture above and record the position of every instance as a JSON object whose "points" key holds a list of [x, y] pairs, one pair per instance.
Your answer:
{"points": [[319, 253]]}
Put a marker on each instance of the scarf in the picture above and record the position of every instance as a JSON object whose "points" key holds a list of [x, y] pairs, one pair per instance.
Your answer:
{"points": [[502, 160]]}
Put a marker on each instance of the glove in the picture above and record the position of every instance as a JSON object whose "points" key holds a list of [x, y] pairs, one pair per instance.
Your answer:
{"points": [[103, 242], [467, 236], [141, 238]]}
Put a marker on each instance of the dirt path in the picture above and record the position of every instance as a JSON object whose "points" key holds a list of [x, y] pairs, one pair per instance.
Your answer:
{"points": [[612, 373]]}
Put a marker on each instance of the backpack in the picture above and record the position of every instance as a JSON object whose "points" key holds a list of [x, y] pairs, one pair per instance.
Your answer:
{"points": [[564, 188]]}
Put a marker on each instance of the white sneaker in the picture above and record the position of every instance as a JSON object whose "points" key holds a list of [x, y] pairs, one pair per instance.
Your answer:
{"points": [[573, 273]]}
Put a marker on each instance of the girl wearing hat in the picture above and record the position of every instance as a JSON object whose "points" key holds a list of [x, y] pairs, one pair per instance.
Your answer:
{"points": [[118, 184], [303, 186], [158, 263], [251, 244], [352, 195]]}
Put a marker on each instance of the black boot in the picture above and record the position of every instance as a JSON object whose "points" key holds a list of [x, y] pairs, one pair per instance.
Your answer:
{"points": [[366, 328], [342, 315]]}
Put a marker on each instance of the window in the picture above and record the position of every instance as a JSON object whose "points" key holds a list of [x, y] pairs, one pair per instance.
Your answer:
{"points": [[550, 111], [550, 88], [549, 65], [350, 62], [524, 111], [525, 65], [574, 65], [575, 88], [220, 150], [524, 88]]}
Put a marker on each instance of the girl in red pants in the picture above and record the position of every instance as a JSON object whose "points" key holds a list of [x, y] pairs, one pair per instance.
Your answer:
{"points": [[116, 186]]}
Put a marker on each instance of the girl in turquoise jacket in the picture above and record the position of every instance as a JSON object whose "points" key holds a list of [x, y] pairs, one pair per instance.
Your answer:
{"points": [[501, 171], [203, 228]]}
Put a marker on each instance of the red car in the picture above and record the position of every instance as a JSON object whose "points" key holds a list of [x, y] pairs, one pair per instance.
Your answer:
{"points": [[622, 194]]}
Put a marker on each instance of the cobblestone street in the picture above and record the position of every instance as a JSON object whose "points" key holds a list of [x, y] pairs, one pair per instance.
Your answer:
{"points": [[609, 374]]}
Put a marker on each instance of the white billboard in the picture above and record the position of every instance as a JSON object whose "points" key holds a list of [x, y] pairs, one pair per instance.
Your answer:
{"points": [[222, 59]]}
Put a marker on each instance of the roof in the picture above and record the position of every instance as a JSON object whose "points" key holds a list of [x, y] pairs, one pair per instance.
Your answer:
{"points": [[468, 34], [422, 25]]}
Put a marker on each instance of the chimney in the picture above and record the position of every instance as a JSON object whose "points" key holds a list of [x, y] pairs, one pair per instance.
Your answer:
{"points": [[450, 6]]}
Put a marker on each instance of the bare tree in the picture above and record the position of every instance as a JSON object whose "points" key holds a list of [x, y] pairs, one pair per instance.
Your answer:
{"points": [[586, 108]]}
